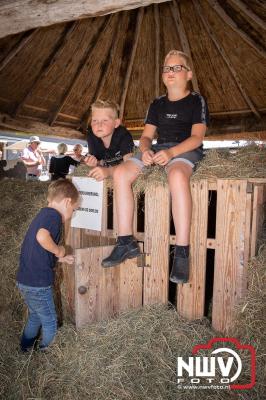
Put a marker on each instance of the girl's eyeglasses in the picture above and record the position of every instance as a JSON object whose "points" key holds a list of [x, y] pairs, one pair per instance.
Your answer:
{"points": [[174, 68]]}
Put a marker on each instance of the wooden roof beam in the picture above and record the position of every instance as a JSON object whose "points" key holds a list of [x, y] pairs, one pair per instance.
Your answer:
{"points": [[131, 62], [101, 80], [52, 58], [27, 37], [229, 21], [81, 67], [157, 49], [249, 13], [184, 40], [18, 16], [225, 58]]}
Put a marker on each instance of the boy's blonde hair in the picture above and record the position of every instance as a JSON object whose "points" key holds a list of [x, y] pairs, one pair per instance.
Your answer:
{"points": [[106, 104], [181, 54], [62, 148], [61, 189]]}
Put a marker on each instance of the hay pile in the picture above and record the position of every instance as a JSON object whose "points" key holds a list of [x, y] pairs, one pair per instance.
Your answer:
{"points": [[246, 162], [132, 357]]}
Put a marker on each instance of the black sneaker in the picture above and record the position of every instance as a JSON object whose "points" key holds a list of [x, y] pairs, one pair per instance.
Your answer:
{"points": [[120, 253], [180, 270]]}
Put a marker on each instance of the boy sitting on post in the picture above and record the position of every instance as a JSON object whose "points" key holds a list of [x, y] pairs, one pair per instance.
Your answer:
{"points": [[179, 118], [109, 142]]}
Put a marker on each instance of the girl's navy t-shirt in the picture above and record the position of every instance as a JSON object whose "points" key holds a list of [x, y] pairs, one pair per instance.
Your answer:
{"points": [[36, 265]]}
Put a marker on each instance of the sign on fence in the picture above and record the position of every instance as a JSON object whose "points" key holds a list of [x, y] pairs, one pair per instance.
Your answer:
{"points": [[89, 213]]}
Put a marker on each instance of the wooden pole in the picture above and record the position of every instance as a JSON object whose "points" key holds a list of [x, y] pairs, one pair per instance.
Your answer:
{"points": [[156, 243], [157, 49], [184, 40], [81, 67], [225, 58], [229, 21], [27, 37], [249, 13], [48, 64], [131, 61], [105, 65]]}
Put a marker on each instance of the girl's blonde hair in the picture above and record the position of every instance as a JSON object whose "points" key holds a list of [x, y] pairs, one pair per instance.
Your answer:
{"points": [[181, 54]]}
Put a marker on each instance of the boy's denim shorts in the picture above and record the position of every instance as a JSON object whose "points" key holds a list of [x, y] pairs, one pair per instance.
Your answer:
{"points": [[191, 157]]}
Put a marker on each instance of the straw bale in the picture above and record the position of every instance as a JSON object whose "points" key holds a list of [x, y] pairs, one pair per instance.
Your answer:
{"points": [[246, 162]]}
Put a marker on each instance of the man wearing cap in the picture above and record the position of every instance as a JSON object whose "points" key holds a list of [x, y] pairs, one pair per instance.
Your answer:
{"points": [[33, 159]]}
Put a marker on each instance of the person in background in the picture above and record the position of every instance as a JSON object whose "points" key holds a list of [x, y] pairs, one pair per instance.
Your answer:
{"points": [[76, 155], [33, 159], [109, 142], [39, 252], [59, 164]]}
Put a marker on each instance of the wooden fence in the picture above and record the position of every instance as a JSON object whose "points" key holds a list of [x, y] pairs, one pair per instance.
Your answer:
{"points": [[94, 293]]}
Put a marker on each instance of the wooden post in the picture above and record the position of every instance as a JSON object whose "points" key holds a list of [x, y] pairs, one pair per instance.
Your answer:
{"points": [[157, 225], [257, 220], [230, 267], [191, 296]]}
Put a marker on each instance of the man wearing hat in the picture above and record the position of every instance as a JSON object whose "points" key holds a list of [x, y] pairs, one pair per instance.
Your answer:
{"points": [[33, 159]]}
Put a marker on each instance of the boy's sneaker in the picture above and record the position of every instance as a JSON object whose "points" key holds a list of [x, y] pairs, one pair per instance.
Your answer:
{"points": [[180, 270], [121, 252], [26, 344]]}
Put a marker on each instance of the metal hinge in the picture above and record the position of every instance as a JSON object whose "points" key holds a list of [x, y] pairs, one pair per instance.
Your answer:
{"points": [[144, 260]]}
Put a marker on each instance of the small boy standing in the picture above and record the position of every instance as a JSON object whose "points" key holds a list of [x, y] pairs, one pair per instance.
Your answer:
{"points": [[39, 253], [179, 119], [109, 142]]}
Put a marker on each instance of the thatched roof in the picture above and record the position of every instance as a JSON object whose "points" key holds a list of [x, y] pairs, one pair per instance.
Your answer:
{"points": [[49, 76]]}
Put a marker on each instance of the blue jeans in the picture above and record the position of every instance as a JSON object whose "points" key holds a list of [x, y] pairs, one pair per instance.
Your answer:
{"points": [[41, 314]]}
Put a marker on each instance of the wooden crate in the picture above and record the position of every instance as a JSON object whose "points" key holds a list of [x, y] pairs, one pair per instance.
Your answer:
{"points": [[239, 219]]}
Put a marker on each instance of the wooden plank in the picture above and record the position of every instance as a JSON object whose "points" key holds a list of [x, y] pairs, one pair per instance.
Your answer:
{"points": [[68, 289], [156, 242], [191, 296], [157, 50], [257, 218], [229, 267], [108, 291], [20, 15]]}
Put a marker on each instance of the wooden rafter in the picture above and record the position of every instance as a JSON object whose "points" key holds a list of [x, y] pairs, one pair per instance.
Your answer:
{"points": [[81, 67], [249, 13], [105, 65], [228, 20], [22, 15], [225, 58], [27, 37], [184, 40], [157, 49], [52, 58], [131, 61]]}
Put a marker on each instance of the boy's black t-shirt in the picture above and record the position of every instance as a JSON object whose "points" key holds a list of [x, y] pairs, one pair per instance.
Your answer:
{"points": [[121, 144], [59, 166], [174, 119], [36, 264]]}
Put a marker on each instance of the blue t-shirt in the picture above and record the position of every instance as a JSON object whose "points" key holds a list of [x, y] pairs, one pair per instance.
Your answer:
{"points": [[36, 264]]}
